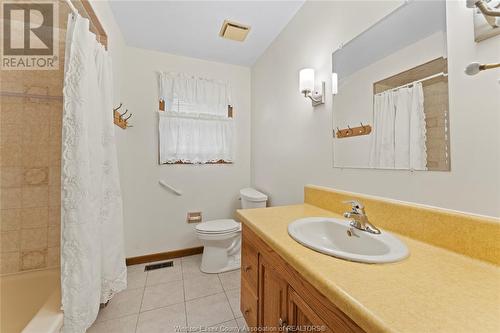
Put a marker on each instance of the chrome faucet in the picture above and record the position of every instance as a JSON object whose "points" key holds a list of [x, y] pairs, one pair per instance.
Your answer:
{"points": [[358, 218]]}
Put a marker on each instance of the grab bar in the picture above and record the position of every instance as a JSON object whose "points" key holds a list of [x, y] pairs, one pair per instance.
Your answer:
{"points": [[170, 188]]}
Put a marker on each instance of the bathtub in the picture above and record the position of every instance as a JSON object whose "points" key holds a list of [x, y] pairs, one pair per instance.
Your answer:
{"points": [[30, 302]]}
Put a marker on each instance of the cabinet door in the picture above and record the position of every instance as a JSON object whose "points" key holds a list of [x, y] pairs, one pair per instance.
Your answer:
{"points": [[272, 297], [302, 318]]}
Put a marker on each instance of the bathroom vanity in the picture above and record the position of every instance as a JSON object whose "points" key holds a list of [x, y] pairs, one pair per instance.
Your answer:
{"points": [[449, 283], [275, 296]]}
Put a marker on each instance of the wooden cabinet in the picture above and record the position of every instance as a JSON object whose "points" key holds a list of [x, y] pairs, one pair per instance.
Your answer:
{"points": [[272, 296], [275, 297], [301, 316]]}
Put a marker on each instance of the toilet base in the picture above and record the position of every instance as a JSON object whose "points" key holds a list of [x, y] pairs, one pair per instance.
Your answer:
{"points": [[233, 264], [221, 255]]}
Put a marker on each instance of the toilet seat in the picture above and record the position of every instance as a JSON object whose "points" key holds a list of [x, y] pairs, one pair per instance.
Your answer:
{"points": [[218, 227]]}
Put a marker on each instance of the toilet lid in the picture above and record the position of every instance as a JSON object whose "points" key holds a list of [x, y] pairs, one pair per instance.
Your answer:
{"points": [[218, 226]]}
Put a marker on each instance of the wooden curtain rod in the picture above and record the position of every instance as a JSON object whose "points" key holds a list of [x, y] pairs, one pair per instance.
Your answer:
{"points": [[161, 107]]}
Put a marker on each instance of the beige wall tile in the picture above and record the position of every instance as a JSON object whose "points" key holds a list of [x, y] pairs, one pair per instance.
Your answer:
{"points": [[30, 141], [54, 236], [36, 129], [55, 154], [12, 110], [35, 155], [56, 118], [54, 196], [10, 219], [11, 177], [10, 155], [34, 239], [11, 198], [35, 217], [11, 134], [54, 215], [10, 241], [35, 196], [9, 262], [33, 259], [54, 257], [56, 123], [55, 175], [36, 176]]}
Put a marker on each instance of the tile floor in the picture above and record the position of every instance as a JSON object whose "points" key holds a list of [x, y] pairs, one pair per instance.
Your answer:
{"points": [[174, 299]]}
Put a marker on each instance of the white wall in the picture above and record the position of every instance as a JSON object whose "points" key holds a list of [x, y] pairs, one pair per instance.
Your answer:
{"points": [[155, 219], [292, 142], [116, 43]]}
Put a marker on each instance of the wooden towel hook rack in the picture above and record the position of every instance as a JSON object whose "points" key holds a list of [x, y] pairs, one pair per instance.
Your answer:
{"points": [[118, 118], [354, 131]]}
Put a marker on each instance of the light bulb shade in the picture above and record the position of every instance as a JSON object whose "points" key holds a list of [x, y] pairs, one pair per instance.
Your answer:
{"points": [[306, 80], [335, 84], [470, 3], [473, 68]]}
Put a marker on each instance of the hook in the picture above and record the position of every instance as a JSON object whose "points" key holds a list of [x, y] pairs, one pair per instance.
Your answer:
{"points": [[123, 113], [130, 115], [119, 106], [349, 131]]}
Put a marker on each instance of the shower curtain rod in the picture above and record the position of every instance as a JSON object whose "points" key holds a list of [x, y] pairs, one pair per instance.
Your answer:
{"points": [[413, 82], [71, 6], [90, 14]]}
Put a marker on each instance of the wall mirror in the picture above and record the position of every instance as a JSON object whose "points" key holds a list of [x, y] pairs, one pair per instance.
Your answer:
{"points": [[391, 106]]}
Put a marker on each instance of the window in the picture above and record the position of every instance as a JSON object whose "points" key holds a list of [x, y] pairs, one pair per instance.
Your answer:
{"points": [[195, 126]]}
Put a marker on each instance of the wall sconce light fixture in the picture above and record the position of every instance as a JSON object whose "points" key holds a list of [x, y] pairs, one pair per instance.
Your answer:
{"points": [[492, 16], [335, 84], [306, 87], [474, 67]]}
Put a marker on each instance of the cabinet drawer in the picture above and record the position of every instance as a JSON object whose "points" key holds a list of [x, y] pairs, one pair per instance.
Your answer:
{"points": [[249, 264], [249, 304]]}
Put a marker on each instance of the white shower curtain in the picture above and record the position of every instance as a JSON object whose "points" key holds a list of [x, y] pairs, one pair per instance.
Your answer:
{"points": [[399, 129], [92, 249], [418, 130], [382, 148]]}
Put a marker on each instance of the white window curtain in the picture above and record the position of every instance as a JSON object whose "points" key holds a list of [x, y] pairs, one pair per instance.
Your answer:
{"points": [[92, 244], [195, 127], [399, 132]]}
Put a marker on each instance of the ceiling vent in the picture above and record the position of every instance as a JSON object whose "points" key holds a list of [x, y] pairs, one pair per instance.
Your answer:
{"points": [[234, 31]]}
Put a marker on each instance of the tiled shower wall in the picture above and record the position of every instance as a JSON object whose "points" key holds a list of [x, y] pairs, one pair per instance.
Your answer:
{"points": [[30, 167]]}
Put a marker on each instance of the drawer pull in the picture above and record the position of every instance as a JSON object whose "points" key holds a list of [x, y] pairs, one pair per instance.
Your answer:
{"points": [[283, 325], [247, 312], [248, 268]]}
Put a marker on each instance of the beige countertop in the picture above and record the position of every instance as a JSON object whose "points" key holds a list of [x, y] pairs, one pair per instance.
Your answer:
{"points": [[433, 290]]}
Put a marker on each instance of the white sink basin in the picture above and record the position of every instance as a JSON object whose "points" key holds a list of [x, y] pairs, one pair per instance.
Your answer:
{"points": [[337, 238]]}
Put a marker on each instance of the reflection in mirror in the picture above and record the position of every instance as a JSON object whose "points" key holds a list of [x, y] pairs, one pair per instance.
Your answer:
{"points": [[391, 108]]}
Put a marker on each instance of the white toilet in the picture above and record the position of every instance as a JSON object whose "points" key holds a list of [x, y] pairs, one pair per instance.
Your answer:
{"points": [[222, 238]]}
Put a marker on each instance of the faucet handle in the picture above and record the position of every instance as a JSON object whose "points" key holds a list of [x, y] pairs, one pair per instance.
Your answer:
{"points": [[357, 207], [354, 203]]}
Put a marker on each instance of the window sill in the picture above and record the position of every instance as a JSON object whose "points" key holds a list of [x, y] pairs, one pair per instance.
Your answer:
{"points": [[191, 163]]}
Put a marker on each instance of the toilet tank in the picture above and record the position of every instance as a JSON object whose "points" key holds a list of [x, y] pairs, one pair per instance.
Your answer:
{"points": [[251, 198]]}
